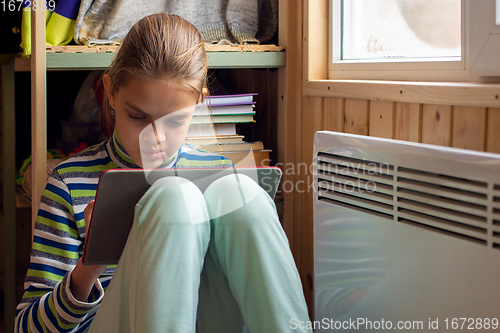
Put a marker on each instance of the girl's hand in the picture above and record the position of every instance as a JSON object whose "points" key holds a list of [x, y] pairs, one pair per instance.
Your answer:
{"points": [[84, 277], [87, 214]]}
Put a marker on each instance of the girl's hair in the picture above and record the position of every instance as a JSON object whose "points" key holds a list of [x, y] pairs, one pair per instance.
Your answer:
{"points": [[159, 47]]}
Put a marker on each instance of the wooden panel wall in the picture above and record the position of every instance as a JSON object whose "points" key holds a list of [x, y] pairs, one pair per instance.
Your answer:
{"points": [[462, 127], [300, 116], [446, 125], [492, 132]]}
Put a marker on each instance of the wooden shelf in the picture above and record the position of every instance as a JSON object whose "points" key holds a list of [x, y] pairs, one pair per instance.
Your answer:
{"points": [[100, 57]]}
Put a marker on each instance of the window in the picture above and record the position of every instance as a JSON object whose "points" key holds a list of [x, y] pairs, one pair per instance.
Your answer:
{"points": [[416, 40], [400, 29], [484, 37]]}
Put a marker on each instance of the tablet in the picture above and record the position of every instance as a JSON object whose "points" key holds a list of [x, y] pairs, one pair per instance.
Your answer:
{"points": [[119, 190]]}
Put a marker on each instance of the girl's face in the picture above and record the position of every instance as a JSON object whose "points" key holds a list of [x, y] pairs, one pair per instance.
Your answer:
{"points": [[152, 118]]}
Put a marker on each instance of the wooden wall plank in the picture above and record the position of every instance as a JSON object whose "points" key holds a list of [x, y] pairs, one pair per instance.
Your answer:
{"points": [[248, 80], [492, 132], [436, 124], [38, 110], [408, 122], [290, 110], [293, 140], [235, 79], [272, 106], [311, 122], [300, 202], [469, 127], [333, 114], [286, 152], [356, 116], [316, 40], [381, 119]]}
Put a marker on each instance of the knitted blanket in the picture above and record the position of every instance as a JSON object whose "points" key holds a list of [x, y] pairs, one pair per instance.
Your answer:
{"points": [[219, 21]]}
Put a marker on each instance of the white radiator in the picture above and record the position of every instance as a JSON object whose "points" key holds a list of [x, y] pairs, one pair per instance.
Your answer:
{"points": [[405, 234]]}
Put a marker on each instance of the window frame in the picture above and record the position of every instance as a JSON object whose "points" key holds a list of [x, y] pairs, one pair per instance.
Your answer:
{"points": [[485, 37], [455, 90], [433, 70]]}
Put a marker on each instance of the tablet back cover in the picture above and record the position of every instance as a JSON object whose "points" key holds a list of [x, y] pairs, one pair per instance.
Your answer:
{"points": [[120, 190], [111, 219]]}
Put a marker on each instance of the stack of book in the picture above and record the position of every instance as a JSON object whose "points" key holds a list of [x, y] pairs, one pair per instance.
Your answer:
{"points": [[214, 129]]}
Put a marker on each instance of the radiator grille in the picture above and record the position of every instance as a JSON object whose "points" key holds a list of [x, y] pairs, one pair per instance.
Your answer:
{"points": [[363, 185], [459, 207], [496, 216]]}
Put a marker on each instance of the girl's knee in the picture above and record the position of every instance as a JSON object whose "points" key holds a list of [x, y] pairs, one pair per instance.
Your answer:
{"points": [[238, 195], [176, 199]]}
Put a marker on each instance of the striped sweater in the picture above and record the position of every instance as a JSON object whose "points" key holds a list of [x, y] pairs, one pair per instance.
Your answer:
{"points": [[47, 304]]}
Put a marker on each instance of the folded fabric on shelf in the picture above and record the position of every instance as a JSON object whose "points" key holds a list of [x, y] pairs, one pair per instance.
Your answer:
{"points": [[219, 21], [60, 19]]}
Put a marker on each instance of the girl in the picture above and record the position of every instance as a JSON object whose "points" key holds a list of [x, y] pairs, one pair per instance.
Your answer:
{"points": [[213, 262]]}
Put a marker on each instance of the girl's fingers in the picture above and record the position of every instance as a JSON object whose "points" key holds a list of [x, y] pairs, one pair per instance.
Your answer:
{"points": [[87, 214]]}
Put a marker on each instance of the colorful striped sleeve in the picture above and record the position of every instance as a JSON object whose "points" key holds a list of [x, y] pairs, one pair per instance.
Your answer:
{"points": [[192, 157], [47, 304]]}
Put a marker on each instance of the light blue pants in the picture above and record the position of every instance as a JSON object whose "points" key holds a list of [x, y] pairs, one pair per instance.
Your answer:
{"points": [[209, 262]]}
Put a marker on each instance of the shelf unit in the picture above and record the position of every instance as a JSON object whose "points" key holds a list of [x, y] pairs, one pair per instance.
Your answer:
{"points": [[100, 57], [53, 58]]}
